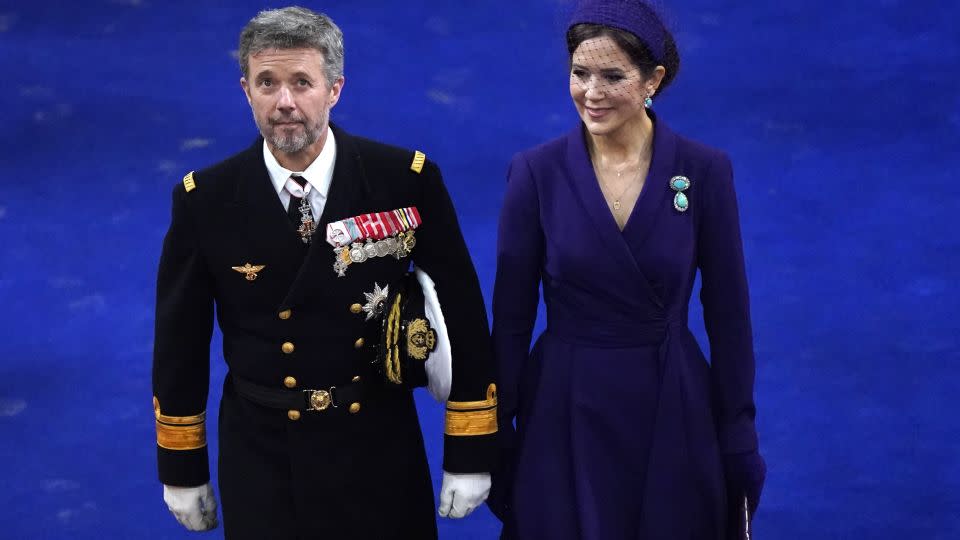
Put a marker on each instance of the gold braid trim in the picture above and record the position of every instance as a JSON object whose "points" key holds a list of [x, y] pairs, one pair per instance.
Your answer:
{"points": [[180, 432], [188, 183], [468, 423], [418, 159], [392, 344], [181, 437], [177, 420], [491, 401], [467, 418], [182, 420]]}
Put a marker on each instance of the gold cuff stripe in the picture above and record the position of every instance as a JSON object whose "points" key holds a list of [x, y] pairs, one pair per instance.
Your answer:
{"points": [[491, 401], [182, 420], [464, 424], [181, 437], [180, 432], [188, 182], [177, 420], [418, 159]]}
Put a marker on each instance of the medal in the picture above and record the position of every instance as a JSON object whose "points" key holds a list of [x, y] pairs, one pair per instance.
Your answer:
{"points": [[382, 248], [342, 261], [376, 301], [370, 249], [357, 253], [391, 247], [405, 244], [376, 234], [306, 221]]}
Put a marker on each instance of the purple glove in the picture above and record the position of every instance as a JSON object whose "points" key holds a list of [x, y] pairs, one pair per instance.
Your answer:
{"points": [[502, 477], [745, 474]]}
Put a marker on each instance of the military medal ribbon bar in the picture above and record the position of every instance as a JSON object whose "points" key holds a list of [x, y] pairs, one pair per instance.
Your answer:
{"points": [[376, 234], [376, 226]]}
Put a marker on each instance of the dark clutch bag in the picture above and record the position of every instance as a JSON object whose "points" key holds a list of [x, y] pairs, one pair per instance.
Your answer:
{"points": [[738, 520], [406, 336]]}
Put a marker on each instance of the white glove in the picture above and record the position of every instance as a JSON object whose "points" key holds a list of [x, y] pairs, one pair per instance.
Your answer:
{"points": [[194, 507], [460, 494]]}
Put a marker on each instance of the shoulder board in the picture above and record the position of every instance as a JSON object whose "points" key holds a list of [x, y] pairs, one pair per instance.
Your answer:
{"points": [[418, 159], [188, 182]]}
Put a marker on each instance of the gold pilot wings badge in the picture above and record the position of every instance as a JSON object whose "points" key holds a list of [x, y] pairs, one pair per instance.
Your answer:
{"points": [[250, 270]]}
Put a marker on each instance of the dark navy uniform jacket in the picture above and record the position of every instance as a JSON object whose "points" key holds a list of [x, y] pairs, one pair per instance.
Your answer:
{"points": [[345, 472]]}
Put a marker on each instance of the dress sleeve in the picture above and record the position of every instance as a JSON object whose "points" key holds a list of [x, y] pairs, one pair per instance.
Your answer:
{"points": [[181, 354], [441, 252], [726, 309], [520, 247]]}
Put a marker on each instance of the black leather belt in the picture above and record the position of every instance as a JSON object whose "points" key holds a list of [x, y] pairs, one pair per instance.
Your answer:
{"points": [[300, 400]]}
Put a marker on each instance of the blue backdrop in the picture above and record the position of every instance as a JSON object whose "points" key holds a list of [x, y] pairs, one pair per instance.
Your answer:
{"points": [[842, 119]]}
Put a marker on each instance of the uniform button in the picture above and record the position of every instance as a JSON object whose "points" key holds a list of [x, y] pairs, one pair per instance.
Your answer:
{"points": [[356, 308], [290, 382], [285, 314], [354, 408], [356, 379], [293, 415], [358, 344], [287, 347]]}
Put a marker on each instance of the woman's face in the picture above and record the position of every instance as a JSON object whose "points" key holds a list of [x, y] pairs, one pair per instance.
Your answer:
{"points": [[607, 88]]}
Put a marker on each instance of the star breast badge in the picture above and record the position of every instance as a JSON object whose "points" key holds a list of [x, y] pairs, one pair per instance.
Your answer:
{"points": [[376, 301]]}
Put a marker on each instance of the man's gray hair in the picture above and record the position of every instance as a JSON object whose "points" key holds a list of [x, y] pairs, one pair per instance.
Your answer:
{"points": [[293, 28]]}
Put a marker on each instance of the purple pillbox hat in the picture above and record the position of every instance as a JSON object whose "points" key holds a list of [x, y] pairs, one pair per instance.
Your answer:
{"points": [[633, 16]]}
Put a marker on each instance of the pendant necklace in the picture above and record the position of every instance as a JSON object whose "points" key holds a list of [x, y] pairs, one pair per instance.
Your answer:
{"points": [[616, 201]]}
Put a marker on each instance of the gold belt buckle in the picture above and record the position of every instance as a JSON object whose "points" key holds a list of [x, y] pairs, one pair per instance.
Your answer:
{"points": [[320, 400]]}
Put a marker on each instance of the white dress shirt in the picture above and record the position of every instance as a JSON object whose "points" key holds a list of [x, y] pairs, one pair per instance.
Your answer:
{"points": [[318, 175]]}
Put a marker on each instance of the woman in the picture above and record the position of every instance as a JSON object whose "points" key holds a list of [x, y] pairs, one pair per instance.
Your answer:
{"points": [[624, 431]]}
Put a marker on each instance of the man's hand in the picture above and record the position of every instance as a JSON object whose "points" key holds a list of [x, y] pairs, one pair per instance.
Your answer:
{"points": [[194, 507], [460, 494]]}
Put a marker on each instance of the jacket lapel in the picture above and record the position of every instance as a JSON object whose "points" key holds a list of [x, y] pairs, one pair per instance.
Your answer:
{"points": [[348, 188], [656, 194], [270, 234], [583, 181]]}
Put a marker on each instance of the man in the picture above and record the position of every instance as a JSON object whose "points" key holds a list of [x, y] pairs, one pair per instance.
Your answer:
{"points": [[295, 241]]}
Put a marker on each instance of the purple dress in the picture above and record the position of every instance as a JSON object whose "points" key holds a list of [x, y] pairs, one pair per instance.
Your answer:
{"points": [[621, 422]]}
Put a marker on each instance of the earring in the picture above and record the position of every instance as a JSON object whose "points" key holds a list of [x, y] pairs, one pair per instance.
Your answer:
{"points": [[647, 101]]}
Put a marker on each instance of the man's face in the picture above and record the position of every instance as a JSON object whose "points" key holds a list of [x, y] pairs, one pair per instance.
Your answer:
{"points": [[290, 98]]}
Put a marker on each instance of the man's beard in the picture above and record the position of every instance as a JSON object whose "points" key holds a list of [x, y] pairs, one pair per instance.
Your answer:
{"points": [[293, 142]]}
